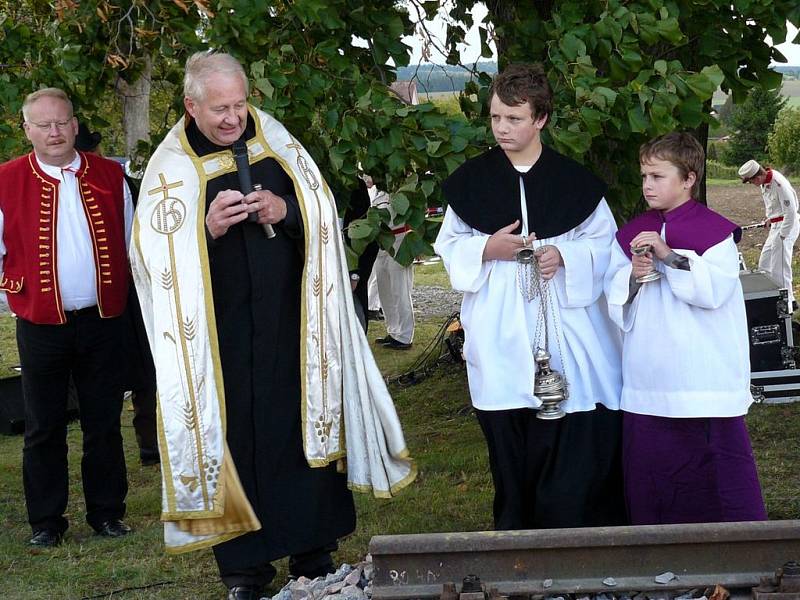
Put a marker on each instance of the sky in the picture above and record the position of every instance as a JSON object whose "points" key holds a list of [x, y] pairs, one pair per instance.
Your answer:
{"points": [[790, 51], [471, 51]]}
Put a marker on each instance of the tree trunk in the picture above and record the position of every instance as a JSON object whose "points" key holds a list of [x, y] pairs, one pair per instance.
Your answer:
{"points": [[135, 99], [505, 11]]}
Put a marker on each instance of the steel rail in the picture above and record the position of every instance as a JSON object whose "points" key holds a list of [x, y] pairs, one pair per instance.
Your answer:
{"points": [[556, 561]]}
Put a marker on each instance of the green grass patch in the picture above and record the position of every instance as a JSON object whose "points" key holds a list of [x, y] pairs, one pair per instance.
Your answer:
{"points": [[432, 274], [453, 492]]}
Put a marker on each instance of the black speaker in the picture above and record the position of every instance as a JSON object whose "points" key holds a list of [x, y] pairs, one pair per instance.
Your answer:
{"points": [[12, 413]]}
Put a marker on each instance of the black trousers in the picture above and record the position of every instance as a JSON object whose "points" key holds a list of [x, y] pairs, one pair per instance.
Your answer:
{"points": [[89, 348], [561, 473], [315, 563], [140, 378]]}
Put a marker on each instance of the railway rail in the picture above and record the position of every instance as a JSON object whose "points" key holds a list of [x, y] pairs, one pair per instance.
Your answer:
{"points": [[588, 560]]}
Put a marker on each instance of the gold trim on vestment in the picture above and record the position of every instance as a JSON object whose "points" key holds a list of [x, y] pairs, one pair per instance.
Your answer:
{"points": [[319, 290], [403, 483]]}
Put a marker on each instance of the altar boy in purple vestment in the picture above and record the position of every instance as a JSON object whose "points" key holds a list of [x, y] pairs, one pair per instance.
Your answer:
{"points": [[685, 362]]}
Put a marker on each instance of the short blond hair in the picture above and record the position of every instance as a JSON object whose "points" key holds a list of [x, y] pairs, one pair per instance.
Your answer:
{"points": [[50, 92], [201, 65]]}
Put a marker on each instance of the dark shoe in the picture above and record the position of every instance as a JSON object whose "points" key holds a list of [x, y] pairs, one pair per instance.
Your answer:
{"points": [[244, 592], [395, 345], [375, 315], [384, 340], [148, 458], [46, 538], [113, 528]]}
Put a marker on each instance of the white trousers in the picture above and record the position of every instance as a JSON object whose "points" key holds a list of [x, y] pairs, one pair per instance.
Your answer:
{"points": [[395, 282], [372, 290], [776, 257]]}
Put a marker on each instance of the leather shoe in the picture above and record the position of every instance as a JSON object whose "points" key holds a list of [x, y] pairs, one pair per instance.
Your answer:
{"points": [[393, 344], [113, 528], [384, 340], [46, 538], [244, 592], [148, 458]]}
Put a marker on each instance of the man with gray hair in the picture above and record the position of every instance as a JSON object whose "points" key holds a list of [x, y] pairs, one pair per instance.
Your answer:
{"points": [[261, 364], [780, 204], [65, 219]]}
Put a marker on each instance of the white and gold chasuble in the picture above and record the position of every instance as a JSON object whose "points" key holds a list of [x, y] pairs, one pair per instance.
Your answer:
{"points": [[343, 391]]}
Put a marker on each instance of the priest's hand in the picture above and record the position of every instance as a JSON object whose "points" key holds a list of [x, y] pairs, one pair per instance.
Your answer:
{"points": [[270, 207], [226, 209], [549, 259], [503, 245], [655, 241]]}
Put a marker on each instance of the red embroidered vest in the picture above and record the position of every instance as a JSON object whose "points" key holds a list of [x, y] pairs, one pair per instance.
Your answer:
{"points": [[29, 201]]}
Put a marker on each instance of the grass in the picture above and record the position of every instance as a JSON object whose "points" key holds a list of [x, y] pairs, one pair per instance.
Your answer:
{"points": [[453, 491], [431, 275]]}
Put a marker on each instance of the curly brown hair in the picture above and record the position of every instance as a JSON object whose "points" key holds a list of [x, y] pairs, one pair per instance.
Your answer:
{"points": [[520, 83]]}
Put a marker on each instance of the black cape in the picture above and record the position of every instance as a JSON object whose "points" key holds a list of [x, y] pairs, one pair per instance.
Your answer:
{"points": [[560, 193], [256, 285]]}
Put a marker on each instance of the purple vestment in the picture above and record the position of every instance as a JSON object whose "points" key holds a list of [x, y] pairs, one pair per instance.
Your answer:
{"points": [[691, 226], [687, 470], [697, 470]]}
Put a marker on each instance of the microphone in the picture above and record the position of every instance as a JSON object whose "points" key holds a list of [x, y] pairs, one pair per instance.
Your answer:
{"points": [[245, 183]]}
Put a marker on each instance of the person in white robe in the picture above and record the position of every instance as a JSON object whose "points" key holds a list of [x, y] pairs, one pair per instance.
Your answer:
{"points": [[546, 473], [393, 281], [685, 363]]}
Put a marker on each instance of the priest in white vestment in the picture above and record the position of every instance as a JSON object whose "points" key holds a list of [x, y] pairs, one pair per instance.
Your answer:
{"points": [[261, 362]]}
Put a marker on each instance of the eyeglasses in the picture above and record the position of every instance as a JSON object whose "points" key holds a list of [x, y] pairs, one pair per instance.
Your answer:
{"points": [[60, 125]]}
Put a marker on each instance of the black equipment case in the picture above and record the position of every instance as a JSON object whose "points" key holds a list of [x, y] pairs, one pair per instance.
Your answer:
{"points": [[774, 377]]}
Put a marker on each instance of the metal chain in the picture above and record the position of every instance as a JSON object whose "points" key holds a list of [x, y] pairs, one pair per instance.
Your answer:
{"points": [[541, 288]]}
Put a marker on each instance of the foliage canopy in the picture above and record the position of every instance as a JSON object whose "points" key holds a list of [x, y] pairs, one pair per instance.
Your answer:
{"points": [[784, 140], [622, 72]]}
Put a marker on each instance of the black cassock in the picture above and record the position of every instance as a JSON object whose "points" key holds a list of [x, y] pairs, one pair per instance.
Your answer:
{"points": [[256, 284]]}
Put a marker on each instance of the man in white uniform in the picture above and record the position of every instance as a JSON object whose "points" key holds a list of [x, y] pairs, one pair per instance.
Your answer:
{"points": [[546, 473], [780, 204], [394, 282]]}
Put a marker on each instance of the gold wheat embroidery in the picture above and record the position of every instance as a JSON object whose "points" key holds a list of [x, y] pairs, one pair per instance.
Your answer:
{"points": [[167, 280], [189, 329]]}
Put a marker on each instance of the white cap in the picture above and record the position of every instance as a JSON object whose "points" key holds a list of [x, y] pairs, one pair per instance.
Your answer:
{"points": [[749, 170]]}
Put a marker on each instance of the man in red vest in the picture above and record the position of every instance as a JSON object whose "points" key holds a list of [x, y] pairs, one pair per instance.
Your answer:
{"points": [[64, 224]]}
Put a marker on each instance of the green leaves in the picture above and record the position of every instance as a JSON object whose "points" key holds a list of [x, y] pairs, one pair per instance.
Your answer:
{"points": [[704, 84]]}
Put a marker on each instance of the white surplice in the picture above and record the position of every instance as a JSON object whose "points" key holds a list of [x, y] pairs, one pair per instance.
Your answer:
{"points": [[500, 325], [685, 349]]}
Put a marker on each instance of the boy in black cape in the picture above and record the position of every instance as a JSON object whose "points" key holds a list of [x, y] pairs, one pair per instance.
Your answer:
{"points": [[522, 194]]}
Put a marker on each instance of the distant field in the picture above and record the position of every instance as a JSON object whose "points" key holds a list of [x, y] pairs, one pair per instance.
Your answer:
{"points": [[790, 89]]}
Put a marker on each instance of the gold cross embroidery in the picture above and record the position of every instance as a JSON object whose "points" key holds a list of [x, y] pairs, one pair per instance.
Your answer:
{"points": [[164, 187]]}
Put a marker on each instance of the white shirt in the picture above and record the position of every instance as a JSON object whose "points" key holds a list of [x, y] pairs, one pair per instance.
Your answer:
{"points": [[75, 255], [685, 349], [500, 325], [780, 200]]}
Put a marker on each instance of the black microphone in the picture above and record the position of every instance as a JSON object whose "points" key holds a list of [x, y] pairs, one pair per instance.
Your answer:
{"points": [[245, 183]]}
